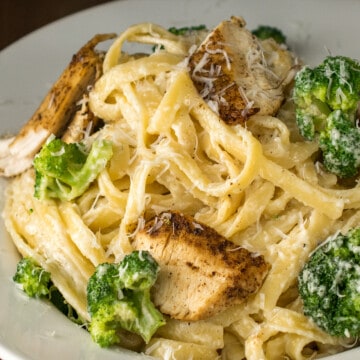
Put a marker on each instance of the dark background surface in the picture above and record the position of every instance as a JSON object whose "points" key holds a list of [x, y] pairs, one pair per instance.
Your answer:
{"points": [[19, 17]]}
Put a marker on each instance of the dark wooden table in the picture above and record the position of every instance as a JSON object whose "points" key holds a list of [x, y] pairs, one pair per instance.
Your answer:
{"points": [[19, 17]]}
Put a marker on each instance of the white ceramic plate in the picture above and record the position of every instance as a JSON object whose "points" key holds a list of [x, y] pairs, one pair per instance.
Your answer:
{"points": [[30, 329]]}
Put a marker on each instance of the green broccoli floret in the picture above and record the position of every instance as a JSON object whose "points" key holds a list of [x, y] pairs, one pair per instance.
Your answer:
{"points": [[329, 285], [340, 145], [65, 171], [32, 278], [264, 32], [332, 86], [187, 30], [118, 297], [36, 282]]}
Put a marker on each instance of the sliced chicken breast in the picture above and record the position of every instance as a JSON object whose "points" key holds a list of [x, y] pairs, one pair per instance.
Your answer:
{"points": [[56, 110], [238, 76], [202, 273]]}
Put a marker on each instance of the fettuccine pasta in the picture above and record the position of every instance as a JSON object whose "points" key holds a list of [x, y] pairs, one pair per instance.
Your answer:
{"points": [[255, 183]]}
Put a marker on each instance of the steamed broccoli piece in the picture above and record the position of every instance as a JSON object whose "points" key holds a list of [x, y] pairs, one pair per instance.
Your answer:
{"points": [[325, 97], [118, 297], [187, 30], [32, 278], [264, 32], [65, 171], [36, 282], [329, 285], [340, 145]]}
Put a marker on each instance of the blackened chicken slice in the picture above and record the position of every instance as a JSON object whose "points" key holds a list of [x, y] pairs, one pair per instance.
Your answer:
{"points": [[202, 273], [237, 74], [55, 111]]}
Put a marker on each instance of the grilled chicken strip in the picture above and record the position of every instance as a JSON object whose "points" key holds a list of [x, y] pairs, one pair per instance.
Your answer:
{"points": [[55, 111], [237, 74], [202, 273]]}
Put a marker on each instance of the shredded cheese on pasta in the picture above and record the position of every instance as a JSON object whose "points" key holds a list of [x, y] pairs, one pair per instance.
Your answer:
{"points": [[254, 184]]}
